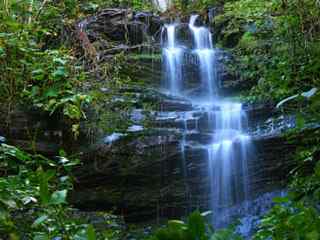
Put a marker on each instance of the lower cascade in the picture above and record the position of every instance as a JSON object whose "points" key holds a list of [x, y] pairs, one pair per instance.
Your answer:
{"points": [[230, 148]]}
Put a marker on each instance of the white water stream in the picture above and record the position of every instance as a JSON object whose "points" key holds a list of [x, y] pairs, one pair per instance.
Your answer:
{"points": [[227, 154]]}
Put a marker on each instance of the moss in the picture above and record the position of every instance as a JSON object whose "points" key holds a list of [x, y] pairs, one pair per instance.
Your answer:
{"points": [[155, 56]]}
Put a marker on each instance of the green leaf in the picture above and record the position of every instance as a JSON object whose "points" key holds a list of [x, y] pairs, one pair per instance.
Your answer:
{"points": [[9, 203], [281, 199], [2, 52], [176, 222], [60, 61], [41, 236], [59, 73], [44, 190], [38, 74], [44, 185], [39, 220], [15, 152], [300, 121], [72, 111], [196, 225], [35, 91], [51, 92], [317, 169], [91, 234], [314, 235], [62, 153], [58, 197]]}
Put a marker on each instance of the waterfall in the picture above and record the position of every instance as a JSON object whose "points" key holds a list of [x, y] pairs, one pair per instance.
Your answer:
{"points": [[206, 55], [202, 35], [227, 157], [229, 150], [172, 55]]}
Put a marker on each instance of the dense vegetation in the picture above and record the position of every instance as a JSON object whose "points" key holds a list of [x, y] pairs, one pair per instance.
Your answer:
{"points": [[277, 48]]}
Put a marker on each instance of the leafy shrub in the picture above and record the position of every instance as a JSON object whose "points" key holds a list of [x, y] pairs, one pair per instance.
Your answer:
{"points": [[33, 196], [276, 52], [297, 216], [33, 200], [196, 228], [32, 73]]}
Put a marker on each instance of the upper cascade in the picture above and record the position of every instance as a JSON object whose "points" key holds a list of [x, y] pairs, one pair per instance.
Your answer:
{"points": [[207, 58], [173, 56], [175, 62], [171, 31], [202, 35]]}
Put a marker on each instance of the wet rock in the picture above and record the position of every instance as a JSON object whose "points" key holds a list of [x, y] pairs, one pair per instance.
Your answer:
{"points": [[113, 138], [148, 173], [151, 174], [152, 22], [145, 177], [32, 130], [2, 139], [135, 128], [121, 25]]}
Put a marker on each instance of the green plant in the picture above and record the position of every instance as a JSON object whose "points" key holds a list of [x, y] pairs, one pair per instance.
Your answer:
{"points": [[33, 191], [33, 73], [290, 220], [276, 53], [196, 228], [297, 216]]}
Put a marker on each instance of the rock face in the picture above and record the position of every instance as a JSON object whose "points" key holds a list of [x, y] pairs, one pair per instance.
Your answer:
{"points": [[146, 175], [141, 173], [32, 130], [139, 35], [121, 25]]}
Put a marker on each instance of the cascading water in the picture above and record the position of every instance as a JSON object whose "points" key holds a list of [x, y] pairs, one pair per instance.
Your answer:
{"points": [[207, 57], [228, 152], [227, 157], [172, 55]]}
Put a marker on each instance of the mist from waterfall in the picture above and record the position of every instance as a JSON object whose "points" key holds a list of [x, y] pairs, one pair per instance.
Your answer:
{"points": [[229, 150]]}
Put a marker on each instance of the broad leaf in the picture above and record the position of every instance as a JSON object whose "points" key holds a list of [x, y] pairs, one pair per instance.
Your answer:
{"points": [[58, 197]]}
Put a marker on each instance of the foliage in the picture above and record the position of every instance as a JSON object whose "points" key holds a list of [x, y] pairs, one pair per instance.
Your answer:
{"points": [[34, 187], [292, 217], [135, 4], [279, 47], [39, 67], [34, 71], [33, 199], [291, 221], [196, 228], [297, 215], [187, 6]]}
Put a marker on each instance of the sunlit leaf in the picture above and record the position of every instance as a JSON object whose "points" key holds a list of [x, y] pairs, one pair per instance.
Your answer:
{"points": [[58, 197], [40, 220]]}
